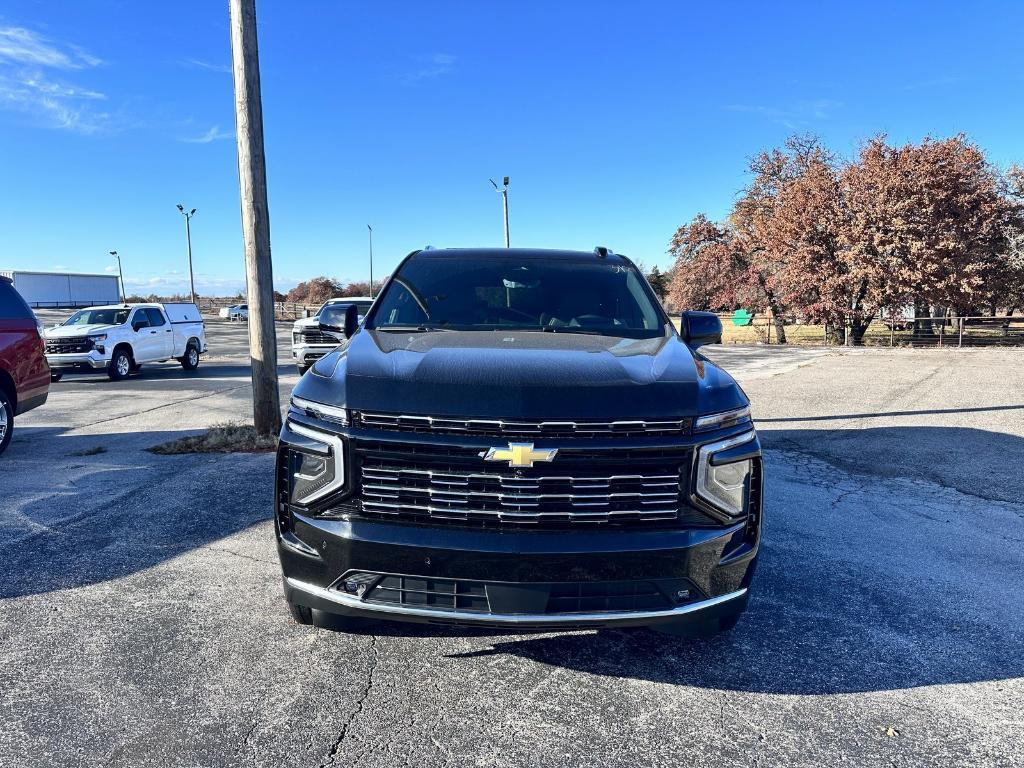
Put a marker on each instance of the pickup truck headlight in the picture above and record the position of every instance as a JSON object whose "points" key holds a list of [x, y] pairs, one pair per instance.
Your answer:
{"points": [[316, 467], [723, 419], [724, 485]]}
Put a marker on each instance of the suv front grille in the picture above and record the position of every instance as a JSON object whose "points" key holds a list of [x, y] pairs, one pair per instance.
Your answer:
{"points": [[519, 427], [71, 345], [452, 485], [313, 337], [508, 498]]}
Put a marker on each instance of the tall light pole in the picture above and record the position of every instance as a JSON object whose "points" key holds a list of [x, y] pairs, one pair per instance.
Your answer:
{"points": [[120, 275], [371, 259], [504, 202], [188, 237]]}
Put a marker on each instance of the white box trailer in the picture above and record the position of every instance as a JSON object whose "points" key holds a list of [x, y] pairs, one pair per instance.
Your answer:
{"points": [[64, 289]]}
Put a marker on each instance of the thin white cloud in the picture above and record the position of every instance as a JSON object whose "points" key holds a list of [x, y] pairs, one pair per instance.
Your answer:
{"points": [[60, 268], [214, 134], [208, 66], [794, 117], [434, 65], [23, 46], [28, 85]]}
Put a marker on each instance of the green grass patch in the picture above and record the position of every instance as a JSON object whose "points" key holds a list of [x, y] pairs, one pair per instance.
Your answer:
{"points": [[232, 437]]}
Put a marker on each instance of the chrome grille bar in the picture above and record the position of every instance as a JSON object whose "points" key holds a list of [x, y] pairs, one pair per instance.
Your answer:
{"points": [[513, 427], [469, 495]]}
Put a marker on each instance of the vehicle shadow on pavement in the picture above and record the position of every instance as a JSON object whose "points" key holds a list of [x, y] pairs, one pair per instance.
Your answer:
{"points": [[84, 509]]}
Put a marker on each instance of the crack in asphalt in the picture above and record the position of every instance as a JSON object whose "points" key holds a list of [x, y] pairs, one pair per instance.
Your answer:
{"points": [[374, 660], [225, 551], [245, 745]]}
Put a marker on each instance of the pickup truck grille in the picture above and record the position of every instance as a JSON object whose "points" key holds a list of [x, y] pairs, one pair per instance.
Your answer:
{"points": [[446, 485], [313, 337], [519, 428], [74, 344]]}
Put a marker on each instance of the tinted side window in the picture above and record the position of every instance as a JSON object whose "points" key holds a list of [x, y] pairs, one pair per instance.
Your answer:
{"points": [[155, 318], [12, 306]]}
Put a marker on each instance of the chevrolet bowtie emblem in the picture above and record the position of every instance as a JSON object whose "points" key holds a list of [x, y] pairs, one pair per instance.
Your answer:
{"points": [[518, 454]]}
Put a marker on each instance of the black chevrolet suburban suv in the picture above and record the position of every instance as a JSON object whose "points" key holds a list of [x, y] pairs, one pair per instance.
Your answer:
{"points": [[519, 438]]}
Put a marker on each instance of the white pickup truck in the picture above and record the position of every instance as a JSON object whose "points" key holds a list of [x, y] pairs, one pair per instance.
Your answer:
{"points": [[309, 343], [121, 337]]}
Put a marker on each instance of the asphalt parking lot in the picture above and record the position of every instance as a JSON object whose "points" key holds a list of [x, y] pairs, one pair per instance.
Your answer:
{"points": [[142, 623]]}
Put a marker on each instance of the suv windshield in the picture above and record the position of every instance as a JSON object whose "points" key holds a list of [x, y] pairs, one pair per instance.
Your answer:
{"points": [[519, 293], [115, 316]]}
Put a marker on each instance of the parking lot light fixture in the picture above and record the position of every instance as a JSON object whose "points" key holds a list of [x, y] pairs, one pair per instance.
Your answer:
{"points": [[120, 275], [188, 239], [504, 202]]}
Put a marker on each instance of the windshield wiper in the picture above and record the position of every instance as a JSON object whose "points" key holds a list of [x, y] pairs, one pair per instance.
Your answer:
{"points": [[409, 328], [570, 329]]}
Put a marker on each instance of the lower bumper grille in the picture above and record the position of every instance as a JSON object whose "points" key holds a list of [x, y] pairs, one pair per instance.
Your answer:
{"points": [[539, 598]]}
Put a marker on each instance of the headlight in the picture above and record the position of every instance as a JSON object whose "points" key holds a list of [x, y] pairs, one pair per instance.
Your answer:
{"points": [[316, 467], [98, 337], [724, 486], [722, 420], [321, 411]]}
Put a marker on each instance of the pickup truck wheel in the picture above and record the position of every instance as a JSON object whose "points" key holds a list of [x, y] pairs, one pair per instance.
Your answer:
{"points": [[6, 420], [190, 360], [120, 365], [56, 376]]}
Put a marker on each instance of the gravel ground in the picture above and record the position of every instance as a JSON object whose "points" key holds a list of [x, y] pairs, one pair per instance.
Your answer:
{"points": [[141, 620]]}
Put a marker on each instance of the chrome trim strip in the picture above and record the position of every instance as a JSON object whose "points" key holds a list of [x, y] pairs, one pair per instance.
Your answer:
{"points": [[492, 476], [445, 423], [719, 420], [320, 410], [664, 513], [511, 618]]}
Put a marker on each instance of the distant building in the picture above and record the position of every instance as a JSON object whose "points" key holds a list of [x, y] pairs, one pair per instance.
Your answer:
{"points": [[64, 289]]}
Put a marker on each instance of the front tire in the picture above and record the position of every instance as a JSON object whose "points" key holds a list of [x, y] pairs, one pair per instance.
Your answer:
{"points": [[6, 420], [190, 360], [120, 365], [55, 377]]}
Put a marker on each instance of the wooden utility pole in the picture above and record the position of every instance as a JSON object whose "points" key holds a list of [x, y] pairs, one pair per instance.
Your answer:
{"points": [[252, 182]]}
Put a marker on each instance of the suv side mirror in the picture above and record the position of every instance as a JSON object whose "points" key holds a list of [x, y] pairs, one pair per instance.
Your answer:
{"points": [[339, 321], [699, 328], [138, 325]]}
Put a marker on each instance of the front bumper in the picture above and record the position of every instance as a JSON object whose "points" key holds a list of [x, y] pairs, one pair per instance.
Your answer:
{"points": [[685, 576], [92, 360], [310, 353]]}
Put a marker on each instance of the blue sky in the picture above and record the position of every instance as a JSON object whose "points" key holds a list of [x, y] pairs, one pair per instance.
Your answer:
{"points": [[616, 121]]}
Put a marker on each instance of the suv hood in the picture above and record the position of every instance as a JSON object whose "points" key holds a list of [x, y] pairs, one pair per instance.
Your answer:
{"points": [[511, 374], [74, 331]]}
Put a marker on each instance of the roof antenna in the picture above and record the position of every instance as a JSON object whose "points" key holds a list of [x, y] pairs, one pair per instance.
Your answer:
{"points": [[602, 252]]}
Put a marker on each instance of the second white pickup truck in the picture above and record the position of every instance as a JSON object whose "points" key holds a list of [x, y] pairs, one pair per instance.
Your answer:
{"points": [[121, 337]]}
